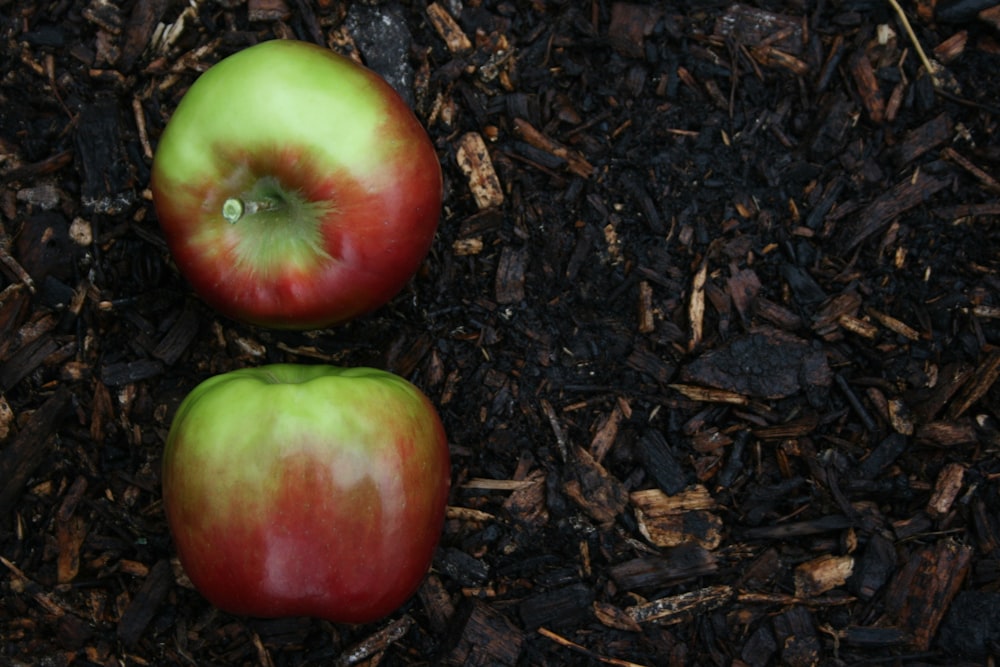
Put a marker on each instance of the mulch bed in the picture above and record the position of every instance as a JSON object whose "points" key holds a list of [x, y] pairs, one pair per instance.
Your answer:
{"points": [[711, 320]]}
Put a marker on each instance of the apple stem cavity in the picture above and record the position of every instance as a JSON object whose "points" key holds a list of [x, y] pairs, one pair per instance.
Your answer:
{"points": [[267, 194], [279, 225]]}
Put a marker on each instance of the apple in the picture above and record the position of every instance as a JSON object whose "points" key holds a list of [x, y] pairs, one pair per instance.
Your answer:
{"points": [[295, 188], [306, 490]]}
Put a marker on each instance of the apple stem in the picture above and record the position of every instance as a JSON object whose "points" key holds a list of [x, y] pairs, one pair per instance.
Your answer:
{"points": [[234, 208]]}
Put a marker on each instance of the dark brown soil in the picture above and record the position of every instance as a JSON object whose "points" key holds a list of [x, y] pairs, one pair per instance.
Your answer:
{"points": [[716, 350]]}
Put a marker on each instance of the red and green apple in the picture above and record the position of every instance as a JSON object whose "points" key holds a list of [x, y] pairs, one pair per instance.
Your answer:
{"points": [[295, 188], [306, 490]]}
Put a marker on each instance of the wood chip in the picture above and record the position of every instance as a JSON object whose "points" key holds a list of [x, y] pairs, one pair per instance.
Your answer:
{"points": [[950, 379], [756, 27], [948, 433], [946, 489], [868, 86], [126, 372], [685, 518], [437, 603], [952, 47], [769, 56], [593, 489], [989, 183], [615, 617], [6, 418], [743, 287], [991, 16], [145, 604], [109, 179], [765, 363], [527, 502], [682, 607], [833, 522], [267, 10], [470, 514], [70, 535], [919, 595], [710, 395], [680, 564], [20, 458], [474, 160], [660, 463], [894, 325], [575, 162], [696, 306], [178, 337], [892, 203], [375, 644], [647, 322], [510, 275], [607, 432], [858, 326], [629, 26], [874, 567], [139, 30], [981, 381], [497, 484], [925, 138], [28, 358], [822, 574], [556, 607], [648, 362], [448, 29], [796, 635], [900, 416], [466, 247]]}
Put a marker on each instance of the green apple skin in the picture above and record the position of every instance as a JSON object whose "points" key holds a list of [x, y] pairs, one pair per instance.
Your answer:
{"points": [[298, 490], [338, 184]]}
